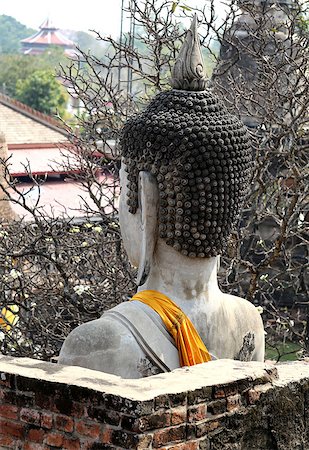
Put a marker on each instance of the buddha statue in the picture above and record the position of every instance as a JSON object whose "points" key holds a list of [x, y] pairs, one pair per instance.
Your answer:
{"points": [[185, 171]]}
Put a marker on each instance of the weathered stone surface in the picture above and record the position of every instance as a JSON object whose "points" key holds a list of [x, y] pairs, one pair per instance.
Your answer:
{"points": [[188, 72], [221, 373], [185, 172]]}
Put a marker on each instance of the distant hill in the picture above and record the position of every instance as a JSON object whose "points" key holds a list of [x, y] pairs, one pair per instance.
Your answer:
{"points": [[87, 42], [11, 32]]}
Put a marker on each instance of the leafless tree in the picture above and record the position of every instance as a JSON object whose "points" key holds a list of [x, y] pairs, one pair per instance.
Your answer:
{"points": [[261, 73]]}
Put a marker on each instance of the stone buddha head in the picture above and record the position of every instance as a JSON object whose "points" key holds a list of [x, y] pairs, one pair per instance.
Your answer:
{"points": [[186, 164]]}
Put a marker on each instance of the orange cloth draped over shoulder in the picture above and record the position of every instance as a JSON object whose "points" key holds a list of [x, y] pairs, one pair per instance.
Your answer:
{"points": [[190, 346]]}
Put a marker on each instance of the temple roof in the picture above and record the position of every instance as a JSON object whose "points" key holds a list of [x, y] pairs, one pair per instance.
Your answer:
{"points": [[37, 141], [31, 136], [48, 24], [22, 124], [47, 35]]}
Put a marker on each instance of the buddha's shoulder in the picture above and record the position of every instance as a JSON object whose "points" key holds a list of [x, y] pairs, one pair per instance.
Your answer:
{"points": [[108, 331], [243, 323], [240, 307], [237, 301], [102, 344]]}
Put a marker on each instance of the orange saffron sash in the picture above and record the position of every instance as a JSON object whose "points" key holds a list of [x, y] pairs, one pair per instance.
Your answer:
{"points": [[190, 346]]}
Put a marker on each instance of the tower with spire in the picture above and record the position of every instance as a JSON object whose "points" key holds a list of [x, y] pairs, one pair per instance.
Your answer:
{"points": [[47, 36]]}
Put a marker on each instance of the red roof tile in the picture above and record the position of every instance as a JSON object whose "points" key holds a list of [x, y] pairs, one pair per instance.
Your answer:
{"points": [[33, 137], [41, 161], [22, 124], [64, 198]]}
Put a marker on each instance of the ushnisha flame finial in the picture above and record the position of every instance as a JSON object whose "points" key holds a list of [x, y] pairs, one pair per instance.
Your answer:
{"points": [[188, 72]]}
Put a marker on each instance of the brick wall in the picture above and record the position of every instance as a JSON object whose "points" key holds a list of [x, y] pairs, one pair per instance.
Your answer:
{"points": [[219, 405]]}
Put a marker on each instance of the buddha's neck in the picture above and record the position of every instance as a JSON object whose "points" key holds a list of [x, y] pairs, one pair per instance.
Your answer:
{"points": [[187, 281]]}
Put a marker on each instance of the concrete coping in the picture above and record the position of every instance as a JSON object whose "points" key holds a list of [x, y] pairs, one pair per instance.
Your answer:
{"points": [[213, 373]]}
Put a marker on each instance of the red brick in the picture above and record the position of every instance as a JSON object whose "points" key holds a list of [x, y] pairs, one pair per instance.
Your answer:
{"points": [[46, 420], [217, 407], [169, 435], [30, 416], [224, 390], [104, 415], [71, 444], [79, 410], [64, 423], [193, 445], [54, 439], [205, 427], [5, 380], [219, 393], [144, 441], [107, 435], [197, 412], [162, 401], [32, 446], [160, 419], [36, 435], [253, 396], [88, 429], [157, 420], [13, 429], [233, 402], [44, 401], [7, 441], [179, 415], [9, 411]]}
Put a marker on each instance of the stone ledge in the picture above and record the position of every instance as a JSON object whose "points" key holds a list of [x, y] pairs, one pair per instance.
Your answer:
{"points": [[289, 372], [221, 405], [218, 373]]}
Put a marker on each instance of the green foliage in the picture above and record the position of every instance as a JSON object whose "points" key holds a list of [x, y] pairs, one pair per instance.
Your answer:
{"points": [[52, 58], [282, 351], [181, 6], [303, 24], [11, 33], [14, 68], [43, 92]]}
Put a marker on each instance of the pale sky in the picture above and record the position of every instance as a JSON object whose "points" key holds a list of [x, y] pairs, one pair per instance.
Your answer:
{"points": [[99, 15]]}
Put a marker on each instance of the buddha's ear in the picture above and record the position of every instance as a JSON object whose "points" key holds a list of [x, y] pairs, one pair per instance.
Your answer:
{"points": [[148, 203]]}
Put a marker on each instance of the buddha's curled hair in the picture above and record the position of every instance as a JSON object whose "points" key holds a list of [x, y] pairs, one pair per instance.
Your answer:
{"points": [[201, 158]]}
